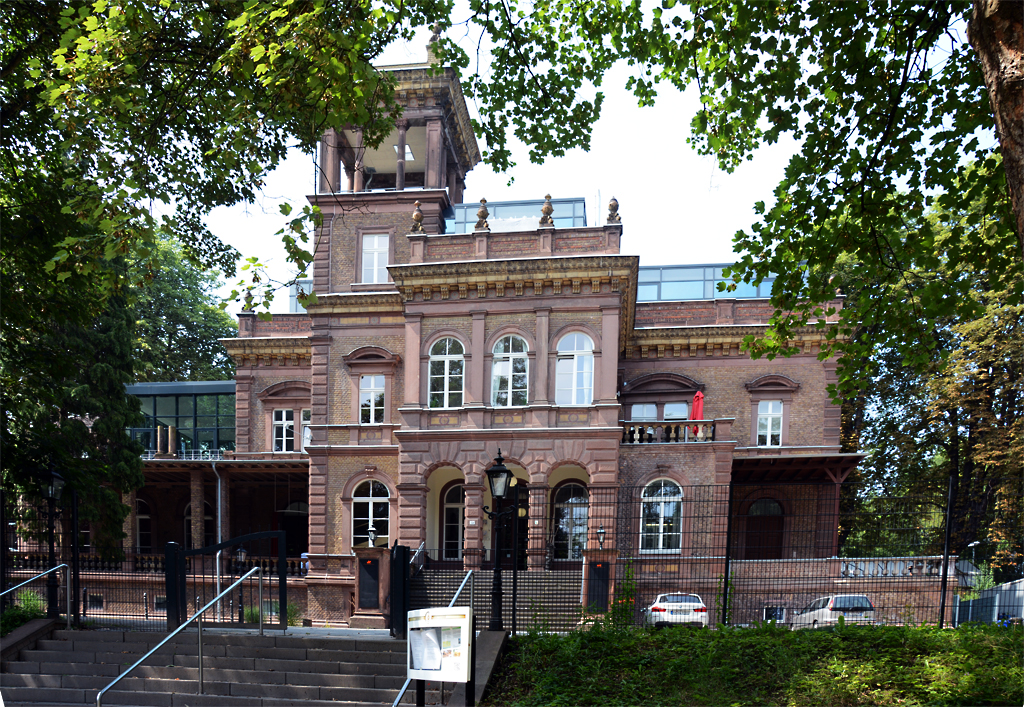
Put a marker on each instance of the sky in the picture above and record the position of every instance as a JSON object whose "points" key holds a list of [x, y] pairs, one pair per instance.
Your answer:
{"points": [[677, 207]]}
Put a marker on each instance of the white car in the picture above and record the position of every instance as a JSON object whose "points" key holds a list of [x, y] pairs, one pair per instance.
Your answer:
{"points": [[854, 608], [676, 608]]}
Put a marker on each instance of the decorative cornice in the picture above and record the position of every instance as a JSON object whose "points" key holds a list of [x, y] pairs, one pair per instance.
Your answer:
{"points": [[565, 275], [663, 342], [356, 303], [269, 350]]}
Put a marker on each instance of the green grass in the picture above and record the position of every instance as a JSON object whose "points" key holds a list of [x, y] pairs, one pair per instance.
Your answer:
{"points": [[851, 665]]}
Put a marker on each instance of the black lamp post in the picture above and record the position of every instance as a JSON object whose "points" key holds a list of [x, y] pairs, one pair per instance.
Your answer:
{"points": [[498, 476], [600, 537], [240, 562], [53, 493]]}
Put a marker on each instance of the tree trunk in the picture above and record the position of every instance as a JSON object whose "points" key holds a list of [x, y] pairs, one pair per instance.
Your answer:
{"points": [[996, 32]]}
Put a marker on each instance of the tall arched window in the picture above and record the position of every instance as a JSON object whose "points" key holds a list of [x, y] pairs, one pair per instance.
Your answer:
{"points": [[574, 372], [209, 527], [370, 506], [661, 522], [509, 372], [764, 530], [143, 526], [446, 371], [571, 509], [454, 521]]}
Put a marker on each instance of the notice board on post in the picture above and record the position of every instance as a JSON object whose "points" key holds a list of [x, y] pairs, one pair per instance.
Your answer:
{"points": [[439, 644]]}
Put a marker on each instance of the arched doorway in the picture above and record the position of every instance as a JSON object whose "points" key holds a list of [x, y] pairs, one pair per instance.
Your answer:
{"points": [[295, 524], [765, 523], [569, 522]]}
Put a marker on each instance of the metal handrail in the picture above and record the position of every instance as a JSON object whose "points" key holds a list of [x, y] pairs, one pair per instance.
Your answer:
{"points": [[67, 586], [472, 587], [198, 617], [417, 553]]}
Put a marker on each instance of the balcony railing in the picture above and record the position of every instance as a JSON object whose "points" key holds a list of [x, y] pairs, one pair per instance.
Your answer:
{"points": [[891, 567], [190, 454], [667, 431]]}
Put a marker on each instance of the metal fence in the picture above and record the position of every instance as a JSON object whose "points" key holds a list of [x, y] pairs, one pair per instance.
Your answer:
{"points": [[802, 555]]}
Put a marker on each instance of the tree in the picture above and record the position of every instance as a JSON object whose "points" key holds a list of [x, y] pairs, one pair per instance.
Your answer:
{"points": [[179, 321], [889, 101], [65, 358]]}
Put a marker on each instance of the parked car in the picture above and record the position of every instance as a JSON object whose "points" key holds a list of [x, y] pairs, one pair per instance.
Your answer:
{"points": [[675, 609], [855, 608]]}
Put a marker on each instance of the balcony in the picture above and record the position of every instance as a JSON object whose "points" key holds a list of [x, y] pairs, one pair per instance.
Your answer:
{"points": [[667, 431]]}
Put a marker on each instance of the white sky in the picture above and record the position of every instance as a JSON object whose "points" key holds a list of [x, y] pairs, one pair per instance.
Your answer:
{"points": [[676, 206]]}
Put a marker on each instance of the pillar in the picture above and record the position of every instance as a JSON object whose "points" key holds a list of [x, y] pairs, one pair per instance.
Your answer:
{"points": [[198, 507], [412, 359], [358, 178], [473, 531], [435, 154], [330, 162], [403, 125], [541, 396]]}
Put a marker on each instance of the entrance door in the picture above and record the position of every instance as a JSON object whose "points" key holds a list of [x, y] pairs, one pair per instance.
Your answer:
{"points": [[764, 530], [522, 521]]}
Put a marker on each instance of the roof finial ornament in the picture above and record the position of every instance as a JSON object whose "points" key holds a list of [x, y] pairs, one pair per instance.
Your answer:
{"points": [[435, 36], [417, 219], [248, 302], [546, 211], [613, 211], [482, 215]]}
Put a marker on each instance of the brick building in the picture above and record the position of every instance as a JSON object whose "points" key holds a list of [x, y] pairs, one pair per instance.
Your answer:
{"points": [[443, 331]]}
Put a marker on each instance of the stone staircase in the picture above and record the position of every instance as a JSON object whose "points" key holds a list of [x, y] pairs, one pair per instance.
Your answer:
{"points": [[549, 600], [238, 669]]}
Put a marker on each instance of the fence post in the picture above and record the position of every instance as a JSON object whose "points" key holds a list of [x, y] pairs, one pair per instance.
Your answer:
{"points": [[945, 554], [282, 582], [76, 559], [728, 558], [171, 585]]}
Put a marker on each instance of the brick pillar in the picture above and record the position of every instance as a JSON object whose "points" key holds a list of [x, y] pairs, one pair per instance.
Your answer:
{"points": [[225, 510], [198, 507], [473, 531], [330, 162], [412, 514], [543, 320], [402, 126]]}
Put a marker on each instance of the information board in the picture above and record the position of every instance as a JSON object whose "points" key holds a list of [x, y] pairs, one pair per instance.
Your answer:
{"points": [[440, 644]]}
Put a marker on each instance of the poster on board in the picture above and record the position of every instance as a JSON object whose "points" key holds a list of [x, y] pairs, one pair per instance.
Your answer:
{"points": [[439, 644]]}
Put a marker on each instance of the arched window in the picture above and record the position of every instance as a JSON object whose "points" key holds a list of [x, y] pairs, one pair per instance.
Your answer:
{"points": [[143, 526], [574, 371], [509, 372], [764, 530], [209, 527], [446, 371], [454, 521], [370, 506], [661, 522], [571, 508]]}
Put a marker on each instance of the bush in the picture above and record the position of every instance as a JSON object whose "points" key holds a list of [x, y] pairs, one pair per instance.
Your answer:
{"points": [[29, 605], [294, 615]]}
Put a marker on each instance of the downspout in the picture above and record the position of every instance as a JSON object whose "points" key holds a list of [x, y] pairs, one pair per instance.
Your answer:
{"points": [[219, 534]]}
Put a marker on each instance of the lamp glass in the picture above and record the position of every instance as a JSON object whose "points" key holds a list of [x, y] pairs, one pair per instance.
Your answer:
{"points": [[372, 536], [56, 486], [499, 476]]}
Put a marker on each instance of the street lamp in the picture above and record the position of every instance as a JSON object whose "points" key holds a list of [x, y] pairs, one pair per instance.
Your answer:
{"points": [[600, 537], [54, 489], [498, 476], [974, 582], [372, 534], [240, 561]]}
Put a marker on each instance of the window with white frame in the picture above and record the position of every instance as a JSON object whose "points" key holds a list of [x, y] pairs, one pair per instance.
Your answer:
{"points": [[643, 412], [661, 517], [509, 372], [446, 373], [371, 507], [454, 520], [769, 423], [574, 371], [371, 400], [677, 411], [375, 257], [284, 430], [307, 431]]}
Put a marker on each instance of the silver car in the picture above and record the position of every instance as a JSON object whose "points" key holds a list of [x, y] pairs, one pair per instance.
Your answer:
{"points": [[854, 608], [676, 608]]}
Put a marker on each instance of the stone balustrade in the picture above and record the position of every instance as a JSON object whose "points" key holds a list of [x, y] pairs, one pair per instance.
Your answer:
{"points": [[667, 431]]}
